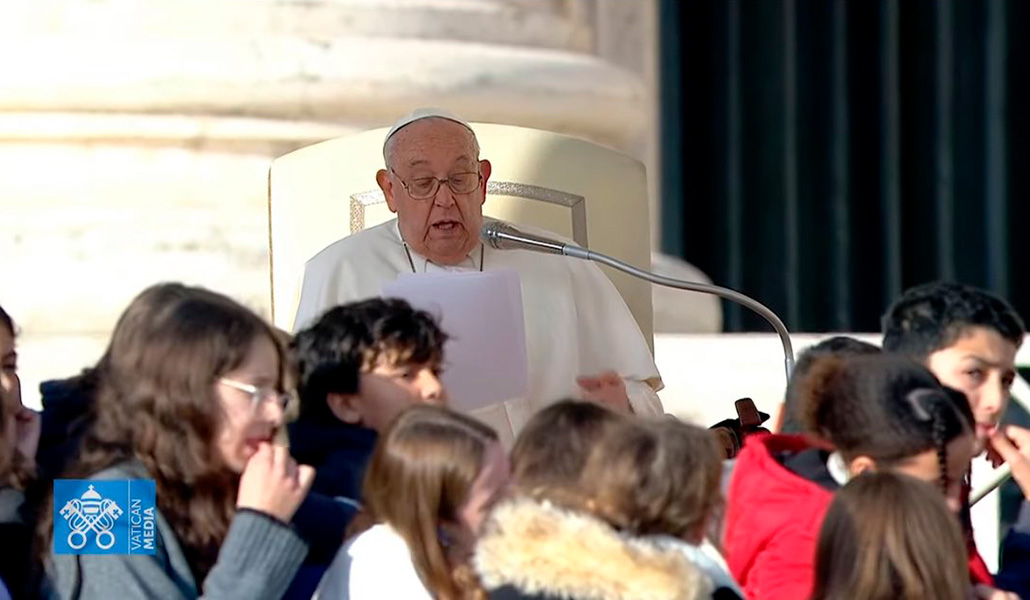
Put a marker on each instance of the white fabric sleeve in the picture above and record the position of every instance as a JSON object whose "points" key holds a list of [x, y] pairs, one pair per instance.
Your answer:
{"points": [[643, 398]]}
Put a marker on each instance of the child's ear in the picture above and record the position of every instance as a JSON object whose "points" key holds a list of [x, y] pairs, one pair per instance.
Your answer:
{"points": [[345, 407], [861, 464]]}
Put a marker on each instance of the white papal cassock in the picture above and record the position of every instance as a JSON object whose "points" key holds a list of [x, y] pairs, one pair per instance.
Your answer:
{"points": [[576, 321]]}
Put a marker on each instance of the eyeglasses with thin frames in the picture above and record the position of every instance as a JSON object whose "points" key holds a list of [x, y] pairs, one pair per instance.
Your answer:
{"points": [[259, 396], [425, 188]]}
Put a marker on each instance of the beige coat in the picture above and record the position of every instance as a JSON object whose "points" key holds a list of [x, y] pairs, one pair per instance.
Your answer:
{"points": [[541, 549]]}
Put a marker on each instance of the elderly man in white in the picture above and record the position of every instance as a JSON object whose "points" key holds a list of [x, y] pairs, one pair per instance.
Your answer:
{"points": [[581, 338]]}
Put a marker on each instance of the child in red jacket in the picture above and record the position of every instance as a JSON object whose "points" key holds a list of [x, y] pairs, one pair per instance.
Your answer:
{"points": [[879, 413]]}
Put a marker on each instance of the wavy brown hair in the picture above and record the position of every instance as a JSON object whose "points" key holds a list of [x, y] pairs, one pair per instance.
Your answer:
{"points": [[419, 477], [553, 447], [887, 536], [157, 404], [657, 477]]}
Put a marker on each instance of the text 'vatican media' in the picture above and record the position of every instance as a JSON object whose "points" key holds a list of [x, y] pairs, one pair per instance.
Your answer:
{"points": [[115, 516]]}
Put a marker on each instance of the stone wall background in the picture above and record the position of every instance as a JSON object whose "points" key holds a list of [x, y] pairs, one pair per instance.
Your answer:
{"points": [[135, 135]]}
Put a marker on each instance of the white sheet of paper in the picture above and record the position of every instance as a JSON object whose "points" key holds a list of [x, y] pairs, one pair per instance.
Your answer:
{"points": [[485, 359]]}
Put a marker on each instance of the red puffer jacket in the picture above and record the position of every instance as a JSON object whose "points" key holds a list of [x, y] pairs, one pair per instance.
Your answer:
{"points": [[773, 516]]}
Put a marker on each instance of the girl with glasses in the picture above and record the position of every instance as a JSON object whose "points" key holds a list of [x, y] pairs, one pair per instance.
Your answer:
{"points": [[192, 392]]}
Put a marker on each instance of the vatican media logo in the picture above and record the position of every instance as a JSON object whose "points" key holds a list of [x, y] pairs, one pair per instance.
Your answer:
{"points": [[104, 517]]}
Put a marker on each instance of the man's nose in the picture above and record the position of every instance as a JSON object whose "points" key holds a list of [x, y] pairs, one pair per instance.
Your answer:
{"points": [[444, 196]]}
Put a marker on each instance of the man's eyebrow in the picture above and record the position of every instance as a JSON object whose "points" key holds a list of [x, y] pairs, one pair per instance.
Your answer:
{"points": [[985, 362]]}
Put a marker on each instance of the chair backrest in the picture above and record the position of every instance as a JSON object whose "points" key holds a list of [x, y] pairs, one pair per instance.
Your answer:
{"points": [[575, 188]]}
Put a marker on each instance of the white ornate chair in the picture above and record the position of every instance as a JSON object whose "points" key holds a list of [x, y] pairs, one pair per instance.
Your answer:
{"points": [[592, 194]]}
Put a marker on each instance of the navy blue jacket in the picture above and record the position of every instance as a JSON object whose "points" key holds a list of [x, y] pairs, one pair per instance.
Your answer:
{"points": [[339, 453]]}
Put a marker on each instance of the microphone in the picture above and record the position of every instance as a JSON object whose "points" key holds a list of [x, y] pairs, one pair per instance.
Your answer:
{"points": [[1000, 476], [503, 236]]}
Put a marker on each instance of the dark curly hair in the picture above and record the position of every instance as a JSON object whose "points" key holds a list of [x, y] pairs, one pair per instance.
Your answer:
{"points": [[157, 404], [930, 317], [330, 355]]}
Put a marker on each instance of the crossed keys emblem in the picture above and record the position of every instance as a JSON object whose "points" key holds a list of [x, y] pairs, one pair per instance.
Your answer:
{"points": [[93, 512]]}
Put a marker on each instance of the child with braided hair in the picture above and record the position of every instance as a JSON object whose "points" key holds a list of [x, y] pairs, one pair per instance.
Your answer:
{"points": [[863, 414], [969, 338]]}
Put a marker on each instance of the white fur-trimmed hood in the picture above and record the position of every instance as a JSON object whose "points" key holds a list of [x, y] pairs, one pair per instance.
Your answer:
{"points": [[539, 548]]}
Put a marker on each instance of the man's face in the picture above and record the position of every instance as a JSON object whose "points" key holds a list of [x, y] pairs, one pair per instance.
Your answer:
{"points": [[388, 389], [981, 363], [444, 228]]}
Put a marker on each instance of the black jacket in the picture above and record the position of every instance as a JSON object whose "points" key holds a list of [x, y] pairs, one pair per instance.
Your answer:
{"points": [[67, 416], [339, 453]]}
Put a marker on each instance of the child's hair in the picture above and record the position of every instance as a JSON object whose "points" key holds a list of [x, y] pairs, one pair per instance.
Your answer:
{"points": [[419, 477], [835, 346], [351, 339], [640, 477], [157, 403], [554, 445], [15, 469], [654, 478], [6, 321], [888, 536], [885, 407], [931, 317]]}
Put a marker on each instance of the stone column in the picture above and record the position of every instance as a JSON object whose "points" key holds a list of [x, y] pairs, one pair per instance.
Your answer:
{"points": [[135, 135]]}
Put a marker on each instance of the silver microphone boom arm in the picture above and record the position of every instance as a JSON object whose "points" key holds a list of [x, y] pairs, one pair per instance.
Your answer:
{"points": [[502, 236]]}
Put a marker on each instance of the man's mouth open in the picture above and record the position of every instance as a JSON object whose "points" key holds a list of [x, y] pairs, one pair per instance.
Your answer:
{"points": [[447, 226]]}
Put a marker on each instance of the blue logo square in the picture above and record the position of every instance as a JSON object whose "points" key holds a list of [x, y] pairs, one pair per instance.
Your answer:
{"points": [[105, 517]]}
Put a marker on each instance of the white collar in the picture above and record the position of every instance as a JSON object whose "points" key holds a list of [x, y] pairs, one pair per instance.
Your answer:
{"points": [[421, 264], [838, 470]]}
